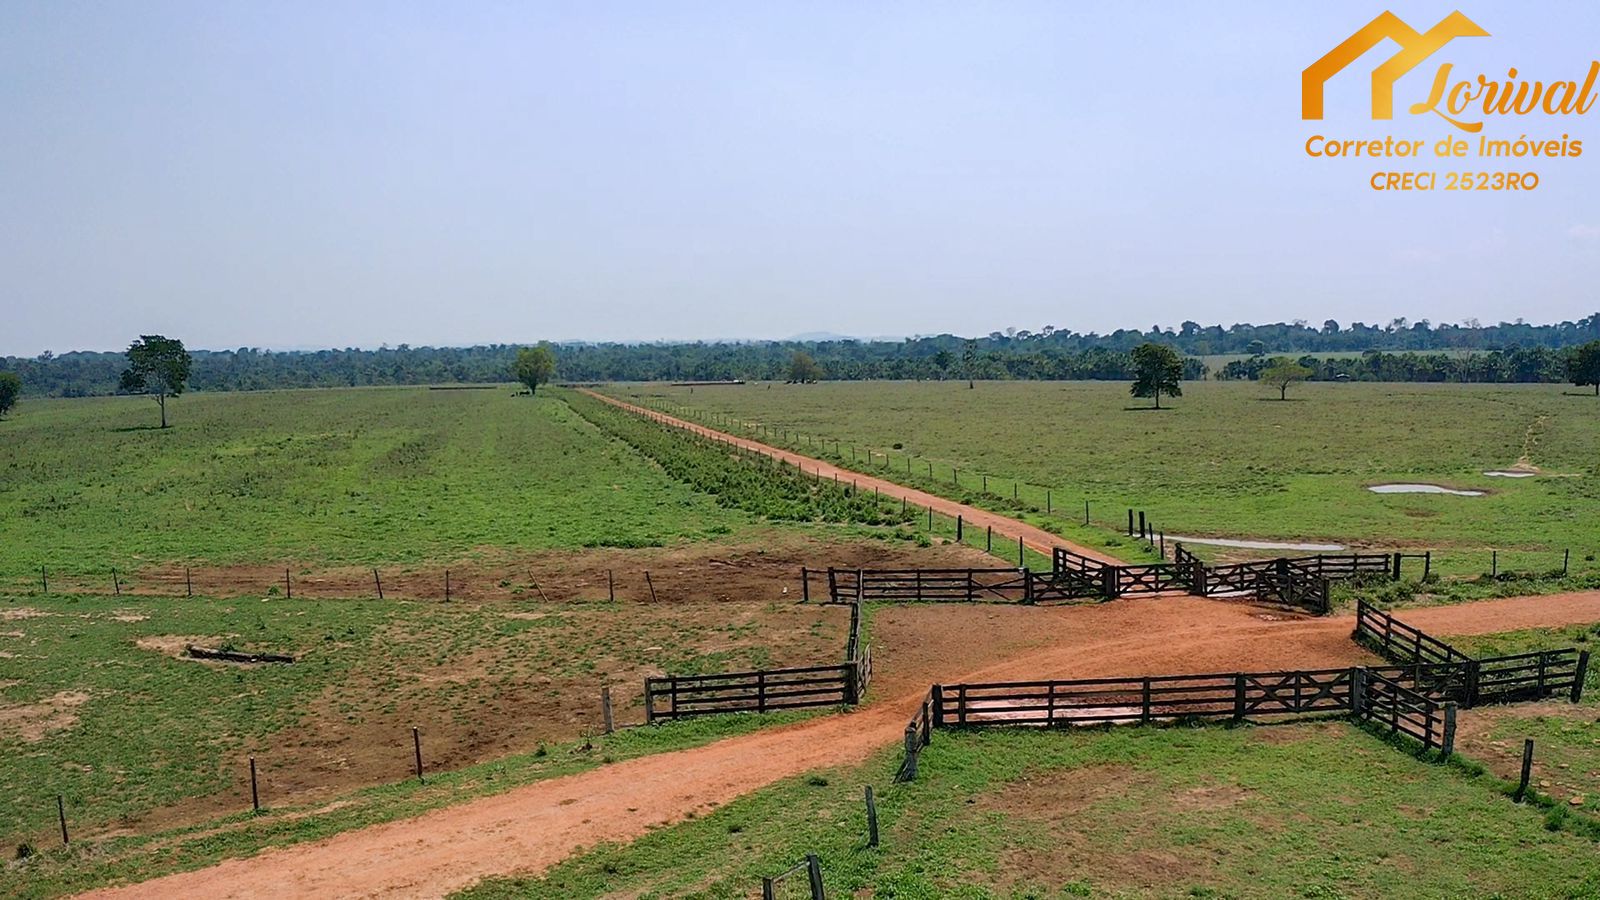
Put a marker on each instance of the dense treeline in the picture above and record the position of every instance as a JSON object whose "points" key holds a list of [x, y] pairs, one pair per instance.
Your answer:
{"points": [[1525, 354], [1536, 364]]}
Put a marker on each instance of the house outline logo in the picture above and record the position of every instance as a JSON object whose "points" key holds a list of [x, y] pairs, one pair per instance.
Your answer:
{"points": [[1414, 48]]}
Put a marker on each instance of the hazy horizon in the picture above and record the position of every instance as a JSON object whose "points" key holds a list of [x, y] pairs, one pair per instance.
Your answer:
{"points": [[309, 176]]}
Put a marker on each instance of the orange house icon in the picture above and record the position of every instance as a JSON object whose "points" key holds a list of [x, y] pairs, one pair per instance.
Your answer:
{"points": [[1414, 48]]}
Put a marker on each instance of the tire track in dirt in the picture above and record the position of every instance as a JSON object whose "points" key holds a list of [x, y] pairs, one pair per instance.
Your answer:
{"points": [[530, 828], [1032, 536]]}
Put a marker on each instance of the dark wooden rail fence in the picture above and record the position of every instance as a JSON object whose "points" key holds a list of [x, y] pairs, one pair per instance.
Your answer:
{"points": [[1529, 676], [950, 585], [682, 696], [1099, 701], [919, 733], [1397, 641], [1384, 701], [1432, 666]]}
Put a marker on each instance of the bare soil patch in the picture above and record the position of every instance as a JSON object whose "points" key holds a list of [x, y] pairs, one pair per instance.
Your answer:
{"points": [[764, 566], [32, 721]]}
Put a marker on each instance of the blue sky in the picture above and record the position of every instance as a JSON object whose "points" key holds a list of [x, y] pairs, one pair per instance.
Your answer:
{"points": [[336, 174]]}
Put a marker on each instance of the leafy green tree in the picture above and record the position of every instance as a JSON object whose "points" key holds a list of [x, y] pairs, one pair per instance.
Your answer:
{"points": [[10, 389], [1157, 368], [1282, 373], [1255, 348], [803, 369], [158, 366], [1583, 365], [534, 366]]}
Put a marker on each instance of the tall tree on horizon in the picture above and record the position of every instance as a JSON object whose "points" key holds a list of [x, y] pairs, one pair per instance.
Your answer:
{"points": [[534, 366], [1157, 368], [157, 366]]}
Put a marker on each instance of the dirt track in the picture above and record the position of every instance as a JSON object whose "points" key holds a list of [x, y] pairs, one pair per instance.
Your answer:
{"points": [[1033, 536], [528, 829]]}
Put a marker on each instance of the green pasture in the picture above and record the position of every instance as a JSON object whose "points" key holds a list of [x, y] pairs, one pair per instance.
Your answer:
{"points": [[374, 475], [1306, 810], [1228, 460]]}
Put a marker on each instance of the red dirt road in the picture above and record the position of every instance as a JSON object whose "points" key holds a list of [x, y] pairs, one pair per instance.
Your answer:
{"points": [[528, 829], [1033, 536]]}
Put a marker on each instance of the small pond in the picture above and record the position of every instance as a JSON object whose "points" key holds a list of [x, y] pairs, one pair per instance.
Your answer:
{"points": [[1421, 489]]}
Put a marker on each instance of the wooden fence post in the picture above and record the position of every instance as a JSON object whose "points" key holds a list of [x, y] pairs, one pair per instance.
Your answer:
{"points": [[379, 582], [44, 579], [116, 584], [1527, 770], [1427, 564], [938, 705], [1449, 745], [416, 745], [1020, 559], [1579, 675], [988, 542], [1238, 697], [1027, 586], [1494, 563], [61, 813], [959, 523], [814, 874], [288, 586], [805, 585], [188, 582], [611, 586], [1358, 691], [255, 795], [605, 709], [1130, 523], [1142, 527], [649, 702], [1144, 707], [872, 819], [1047, 501], [767, 892], [652, 585]]}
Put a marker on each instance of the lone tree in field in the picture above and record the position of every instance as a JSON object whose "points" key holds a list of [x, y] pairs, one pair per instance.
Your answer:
{"points": [[1157, 368], [10, 389], [1583, 365], [1283, 373], [803, 369], [534, 366], [158, 366]]}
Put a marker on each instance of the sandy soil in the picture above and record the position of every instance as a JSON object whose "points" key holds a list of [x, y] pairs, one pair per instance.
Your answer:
{"points": [[528, 829]]}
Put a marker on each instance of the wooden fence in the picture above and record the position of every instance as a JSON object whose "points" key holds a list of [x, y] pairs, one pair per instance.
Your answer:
{"points": [[1385, 701], [1397, 641], [1378, 696], [919, 733], [768, 690], [1098, 701], [1436, 668], [681, 696]]}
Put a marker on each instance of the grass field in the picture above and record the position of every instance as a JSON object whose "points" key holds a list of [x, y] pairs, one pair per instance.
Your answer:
{"points": [[1307, 810], [1228, 462], [101, 706], [325, 477]]}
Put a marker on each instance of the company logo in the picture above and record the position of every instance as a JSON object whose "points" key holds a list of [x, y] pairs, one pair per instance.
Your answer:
{"points": [[1414, 48], [1450, 101]]}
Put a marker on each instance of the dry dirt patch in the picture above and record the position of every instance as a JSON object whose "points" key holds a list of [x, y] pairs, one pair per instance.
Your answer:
{"points": [[22, 612], [33, 721]]}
